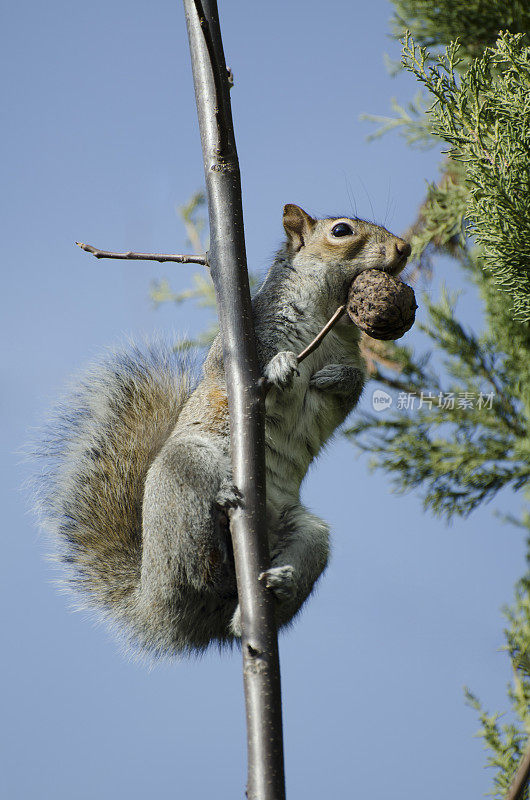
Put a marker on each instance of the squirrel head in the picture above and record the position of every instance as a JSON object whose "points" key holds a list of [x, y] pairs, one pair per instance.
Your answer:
{"points": [[342, 243]]}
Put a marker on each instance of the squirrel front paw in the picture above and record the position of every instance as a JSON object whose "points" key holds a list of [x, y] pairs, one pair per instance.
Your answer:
{"points": [[339, 379], [281, 369]]}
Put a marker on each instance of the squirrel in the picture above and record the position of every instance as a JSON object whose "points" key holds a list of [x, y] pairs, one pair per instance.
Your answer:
{"points": [[138, 488]]}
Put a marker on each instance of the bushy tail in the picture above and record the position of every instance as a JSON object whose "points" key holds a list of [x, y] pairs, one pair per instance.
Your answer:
{"points": [[98, 445]]}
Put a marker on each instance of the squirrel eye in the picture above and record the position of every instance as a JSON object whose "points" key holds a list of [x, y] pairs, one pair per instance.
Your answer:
{"points": [[342, 229]]}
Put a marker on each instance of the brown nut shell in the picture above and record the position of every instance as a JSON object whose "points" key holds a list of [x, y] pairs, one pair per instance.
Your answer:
{"points": [[381, 305]]}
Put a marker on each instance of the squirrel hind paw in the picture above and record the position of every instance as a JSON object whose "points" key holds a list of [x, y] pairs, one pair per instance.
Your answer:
{"points": [[280, 580], [339, 378], [228, 496]]}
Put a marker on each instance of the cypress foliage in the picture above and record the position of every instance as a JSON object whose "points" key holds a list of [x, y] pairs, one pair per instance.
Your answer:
{"points": [[484, 115], [476, 23], [459, 431]]}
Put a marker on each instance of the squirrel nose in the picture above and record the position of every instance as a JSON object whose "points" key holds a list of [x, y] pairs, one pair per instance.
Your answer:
{"points": [[404, 249]]}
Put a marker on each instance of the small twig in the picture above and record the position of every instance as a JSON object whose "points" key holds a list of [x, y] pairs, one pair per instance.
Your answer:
{"points": [[326, 329], [520, 780], [161, 257]]}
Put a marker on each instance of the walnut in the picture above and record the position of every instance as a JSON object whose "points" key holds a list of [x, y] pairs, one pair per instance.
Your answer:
{"points": [[380, 305]]}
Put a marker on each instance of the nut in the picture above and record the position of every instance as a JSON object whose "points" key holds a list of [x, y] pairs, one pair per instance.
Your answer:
{"points": [[381, 305]]}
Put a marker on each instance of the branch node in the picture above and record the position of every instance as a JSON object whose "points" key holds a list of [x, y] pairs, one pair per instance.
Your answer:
{"points": [[253, 652]]}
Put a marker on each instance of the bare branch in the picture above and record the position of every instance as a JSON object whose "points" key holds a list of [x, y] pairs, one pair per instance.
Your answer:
{"points": [[130, 256]]}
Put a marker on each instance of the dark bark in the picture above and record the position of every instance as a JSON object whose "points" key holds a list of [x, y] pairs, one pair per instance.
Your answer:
{"points": [[227, 260]]}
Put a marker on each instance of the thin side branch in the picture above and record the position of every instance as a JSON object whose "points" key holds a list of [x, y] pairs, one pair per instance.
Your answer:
{"points": [[161, 257]]}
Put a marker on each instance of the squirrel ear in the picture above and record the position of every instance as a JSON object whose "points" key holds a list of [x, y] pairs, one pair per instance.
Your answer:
{"points": [[298, 225]]}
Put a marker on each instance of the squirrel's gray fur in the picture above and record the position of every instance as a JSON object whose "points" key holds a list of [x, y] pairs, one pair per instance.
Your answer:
{"points": [[138, 488]]}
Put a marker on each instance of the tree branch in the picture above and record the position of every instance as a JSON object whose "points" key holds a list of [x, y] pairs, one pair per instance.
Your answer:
{"points": [[520, 780], [144, 256], [227, 258]]}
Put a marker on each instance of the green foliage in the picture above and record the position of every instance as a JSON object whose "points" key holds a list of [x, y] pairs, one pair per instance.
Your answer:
{"points": [[485, 118], [441, 224], [459, 456], [457, 441], [475, 23], [507, 742], [477, 195], [202, 293], [410, 121], [194, 222]]}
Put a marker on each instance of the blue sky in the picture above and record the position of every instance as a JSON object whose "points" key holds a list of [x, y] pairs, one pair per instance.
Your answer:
{"points": [[102, 145]]}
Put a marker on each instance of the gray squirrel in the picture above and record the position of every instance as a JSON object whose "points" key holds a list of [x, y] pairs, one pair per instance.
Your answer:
{"points": [[138, 486]]}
